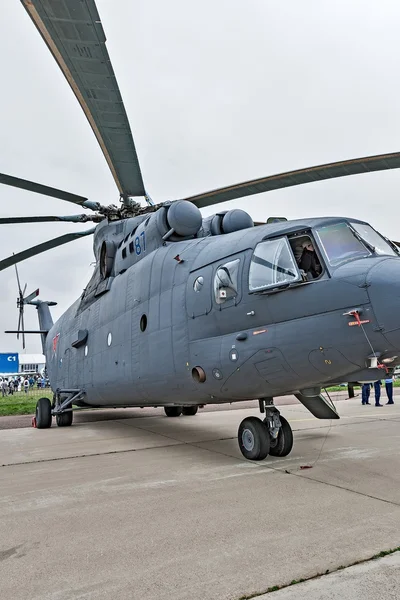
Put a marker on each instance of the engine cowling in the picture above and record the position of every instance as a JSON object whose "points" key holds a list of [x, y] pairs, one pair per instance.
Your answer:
{"points": [[178, 220], [227, 222]]}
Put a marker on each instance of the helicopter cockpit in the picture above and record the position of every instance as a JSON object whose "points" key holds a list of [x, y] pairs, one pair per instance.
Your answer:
{"points": [[279, 263]]}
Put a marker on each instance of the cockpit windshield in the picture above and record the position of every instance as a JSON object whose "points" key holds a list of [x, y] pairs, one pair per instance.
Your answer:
{"points": [[340, 244], [373, 239], [347, 241]]}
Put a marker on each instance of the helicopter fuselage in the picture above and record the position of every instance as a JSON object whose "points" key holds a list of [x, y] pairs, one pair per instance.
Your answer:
{"points": [[182, 310], [192, 323]]}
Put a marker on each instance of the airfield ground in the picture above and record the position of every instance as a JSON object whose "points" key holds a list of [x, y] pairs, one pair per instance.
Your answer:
{"points": [[147, 508]]}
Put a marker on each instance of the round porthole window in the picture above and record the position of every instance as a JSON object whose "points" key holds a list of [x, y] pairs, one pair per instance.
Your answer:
{"points": [[198, 284], [143, 323], [86, 350], [109, 339]]}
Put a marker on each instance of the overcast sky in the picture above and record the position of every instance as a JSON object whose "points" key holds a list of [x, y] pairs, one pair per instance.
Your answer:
{"points": [[217, 92]]}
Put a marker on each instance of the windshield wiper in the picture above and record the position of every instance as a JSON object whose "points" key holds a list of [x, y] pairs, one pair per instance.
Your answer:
{"points": [[363, 241]]}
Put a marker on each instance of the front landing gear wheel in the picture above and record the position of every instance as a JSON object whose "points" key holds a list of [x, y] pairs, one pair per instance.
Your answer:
{"points": [[253, 438], [43, 413], [189, 411], [65, 419], [283, 444], [173, 411]]}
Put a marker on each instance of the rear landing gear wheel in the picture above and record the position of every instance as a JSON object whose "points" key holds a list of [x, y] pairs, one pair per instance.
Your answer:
{"points": [[283, 444], [189, 411], [65, 419], [43, 413], [173, 411], [253, 438]]}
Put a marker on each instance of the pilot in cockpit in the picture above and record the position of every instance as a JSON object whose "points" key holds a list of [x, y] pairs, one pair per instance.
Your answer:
{"points": [[309, 262]]}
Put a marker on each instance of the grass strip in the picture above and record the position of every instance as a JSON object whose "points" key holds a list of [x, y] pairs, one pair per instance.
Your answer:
{"points": [[22, 404]]}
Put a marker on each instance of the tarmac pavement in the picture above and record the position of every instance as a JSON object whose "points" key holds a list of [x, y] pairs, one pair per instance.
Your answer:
{"points": [[374, 579], [150, 507]]}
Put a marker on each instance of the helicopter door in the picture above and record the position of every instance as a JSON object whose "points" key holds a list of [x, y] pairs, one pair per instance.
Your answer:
{"points": [[198, 292], [66, 359]]}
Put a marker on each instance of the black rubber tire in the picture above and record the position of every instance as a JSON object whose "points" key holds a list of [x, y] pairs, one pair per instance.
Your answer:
{"points": [[65, 419], [43, 413], [173, 411], [189, 411], [284, 444], [253, 438]]}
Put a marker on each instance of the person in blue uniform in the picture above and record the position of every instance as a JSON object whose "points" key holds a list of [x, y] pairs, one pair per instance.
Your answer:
{"points": [[377, 388], [389, 389], [365, 392]]}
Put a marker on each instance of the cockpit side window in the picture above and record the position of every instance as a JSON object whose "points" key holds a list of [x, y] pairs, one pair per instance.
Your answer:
{"points": [[226, 281], [272, 265]]}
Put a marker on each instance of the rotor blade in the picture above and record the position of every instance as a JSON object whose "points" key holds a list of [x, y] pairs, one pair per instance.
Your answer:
{"points": [[24, 290], [29, 331], [58, 241], [74, 35], [19, 284], [275, 182], [31, 186], [48, 219], [31, 296]]}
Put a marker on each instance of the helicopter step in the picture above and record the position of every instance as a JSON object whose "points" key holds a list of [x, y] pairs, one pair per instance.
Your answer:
{"points": [[271, 436]]}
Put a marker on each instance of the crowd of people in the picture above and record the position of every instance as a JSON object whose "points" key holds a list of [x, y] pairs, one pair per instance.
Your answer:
{"points": [[21, 383]]}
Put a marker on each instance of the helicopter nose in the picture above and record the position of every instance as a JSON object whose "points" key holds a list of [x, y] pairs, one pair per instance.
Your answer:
{"points": [[383, 282]]}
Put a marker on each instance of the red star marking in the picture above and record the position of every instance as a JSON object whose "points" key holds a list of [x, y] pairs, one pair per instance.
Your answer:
{"points": [[55, 342]]}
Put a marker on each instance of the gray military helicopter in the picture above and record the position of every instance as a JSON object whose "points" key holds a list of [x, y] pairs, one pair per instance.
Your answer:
{"points": [[183, 311]]}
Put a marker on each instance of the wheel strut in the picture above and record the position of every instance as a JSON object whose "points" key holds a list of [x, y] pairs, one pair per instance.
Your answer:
{"points": [[280, 432], [62, 405]]}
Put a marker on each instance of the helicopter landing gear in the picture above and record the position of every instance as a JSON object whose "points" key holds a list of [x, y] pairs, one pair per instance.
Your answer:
{"points": [[189, 411], [65, 419], [253, 438], [283, 443], [43, 413], [281, 435], [271, 436], [173, 411], [62, 406]]}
